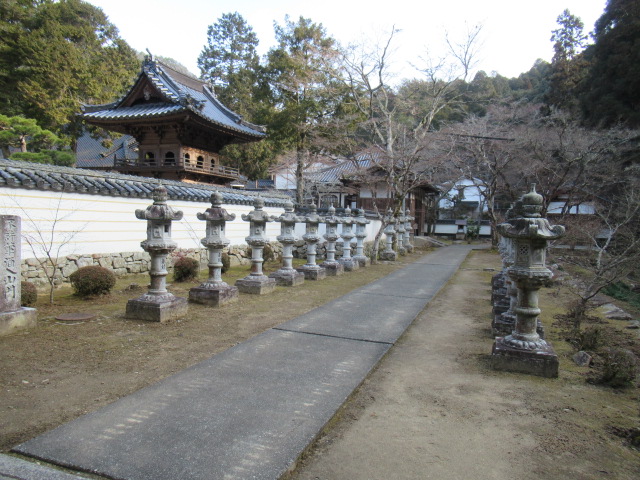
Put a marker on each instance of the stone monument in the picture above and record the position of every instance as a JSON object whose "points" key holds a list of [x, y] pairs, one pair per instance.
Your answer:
{"points": [[215, 291], [331, 265], [347, 235], [388, 253], [310, 270], [408, 228], [256, 282], [523, 350], [361, 234], [287, 276], [12, 315], [158, 305]]}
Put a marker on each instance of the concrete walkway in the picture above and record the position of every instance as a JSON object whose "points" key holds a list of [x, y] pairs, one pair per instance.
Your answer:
{"points": [[249, 412]]}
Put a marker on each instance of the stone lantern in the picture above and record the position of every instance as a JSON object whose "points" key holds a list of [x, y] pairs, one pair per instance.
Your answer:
{"points": [[400, 231], [504, 290], [408, 228], [361, 234], [158, 305], [287, 276], [524, 350], [256, 282], [347, 235], [310, 270], [388, 253], [331, 265], [215, 291]]}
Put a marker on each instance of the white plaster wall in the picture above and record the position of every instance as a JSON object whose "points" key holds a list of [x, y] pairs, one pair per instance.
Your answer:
{"points": [[84, 224], [78, 223]]}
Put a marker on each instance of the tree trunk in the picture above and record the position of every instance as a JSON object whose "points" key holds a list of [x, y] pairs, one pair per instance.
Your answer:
{"points": [[300, 154]]}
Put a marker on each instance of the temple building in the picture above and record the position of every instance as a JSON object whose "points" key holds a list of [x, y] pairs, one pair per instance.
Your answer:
{"points": [[179, 126]]}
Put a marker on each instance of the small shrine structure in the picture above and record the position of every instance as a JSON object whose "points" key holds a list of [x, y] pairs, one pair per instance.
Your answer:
{"points": [[179, 124]]}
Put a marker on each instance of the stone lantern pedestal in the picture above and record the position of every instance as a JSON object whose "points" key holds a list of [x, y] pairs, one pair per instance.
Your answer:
{"points": [[408, 226], [214, 291], [388, 253], [361, 234], [256, 282], [158, 305], [524, 350], [12, 314], [331, 265], [311, 270], [347, 235], [287, 276]]}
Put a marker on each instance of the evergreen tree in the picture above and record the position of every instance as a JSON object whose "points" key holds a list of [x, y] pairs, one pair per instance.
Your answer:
{"points": [[612, 89], [55, 56], [230, 62], [568, 66], [299, 73]]}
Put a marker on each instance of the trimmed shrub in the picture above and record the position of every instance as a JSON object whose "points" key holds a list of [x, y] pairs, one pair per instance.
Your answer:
{"points": [[92, 280], [185, 269], [28, 294], [620, 368]]}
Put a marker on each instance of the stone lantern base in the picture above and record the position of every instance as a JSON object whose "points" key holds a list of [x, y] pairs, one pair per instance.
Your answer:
{"points": [[349, 264], [287, 277], [389, 256], [362, 260], [24, 317], [541, 361], [256, 284], [157, 308], [504, 323], [333, 268], [312, 272], [213, 296]]}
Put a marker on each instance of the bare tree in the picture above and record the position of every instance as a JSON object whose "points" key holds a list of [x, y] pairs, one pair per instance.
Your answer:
{"points": [[46, 240], [396, 127]]}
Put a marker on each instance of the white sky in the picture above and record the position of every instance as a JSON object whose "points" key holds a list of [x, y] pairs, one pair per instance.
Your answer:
{"points": [[515, 33]]}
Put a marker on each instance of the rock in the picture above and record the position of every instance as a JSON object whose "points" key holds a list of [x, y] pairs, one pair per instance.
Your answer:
{"points": [[634, 325], [582, 359], [609, 310]]}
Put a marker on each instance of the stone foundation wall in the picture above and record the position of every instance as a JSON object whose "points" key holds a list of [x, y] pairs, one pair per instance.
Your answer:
{"points": [[126, 263]]}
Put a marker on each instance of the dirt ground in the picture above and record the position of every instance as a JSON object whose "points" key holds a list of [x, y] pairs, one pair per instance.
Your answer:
{"points": [[58, 371], [434, 408]]}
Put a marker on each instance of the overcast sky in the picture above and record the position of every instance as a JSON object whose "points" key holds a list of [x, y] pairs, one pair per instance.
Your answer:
{"points": [[514, 34]]}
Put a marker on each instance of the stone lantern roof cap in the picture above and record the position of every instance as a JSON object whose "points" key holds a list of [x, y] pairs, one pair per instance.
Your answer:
{"points": [[532, 203], [159, 210]]}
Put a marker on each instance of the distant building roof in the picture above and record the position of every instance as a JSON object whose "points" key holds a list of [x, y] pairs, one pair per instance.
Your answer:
{"points": [[91, 153], [161, 91], [17, 174]]}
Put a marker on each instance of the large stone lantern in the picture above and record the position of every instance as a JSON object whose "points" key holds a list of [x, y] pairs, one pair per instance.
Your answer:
{"points": [[390, 232], [408, 228], [361, 234], [256, 282], [524, 350], [311, 270], [331, 265], [158, 305], [215, 291], [347, 235], [400, 232], [287, 276]]}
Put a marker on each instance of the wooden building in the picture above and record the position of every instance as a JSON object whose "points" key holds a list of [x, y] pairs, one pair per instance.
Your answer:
{"points": [[179, 125]]}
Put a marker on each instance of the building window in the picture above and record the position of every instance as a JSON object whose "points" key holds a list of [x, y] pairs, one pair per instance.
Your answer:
{"points": [[187, 159], [169, 159], [149, 158], [200, 161], [329, 200]]}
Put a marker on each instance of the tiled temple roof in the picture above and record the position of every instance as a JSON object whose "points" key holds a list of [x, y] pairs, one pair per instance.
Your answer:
{"points": [[17, 174], [180, 93], [90, 152]]}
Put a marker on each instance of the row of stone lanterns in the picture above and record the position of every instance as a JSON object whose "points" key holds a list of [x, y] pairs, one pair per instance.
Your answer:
{"points": [[525, 238], [160, 305]]}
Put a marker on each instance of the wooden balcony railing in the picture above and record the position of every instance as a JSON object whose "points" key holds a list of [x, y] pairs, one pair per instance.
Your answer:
{"points": [[155, 165]]}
